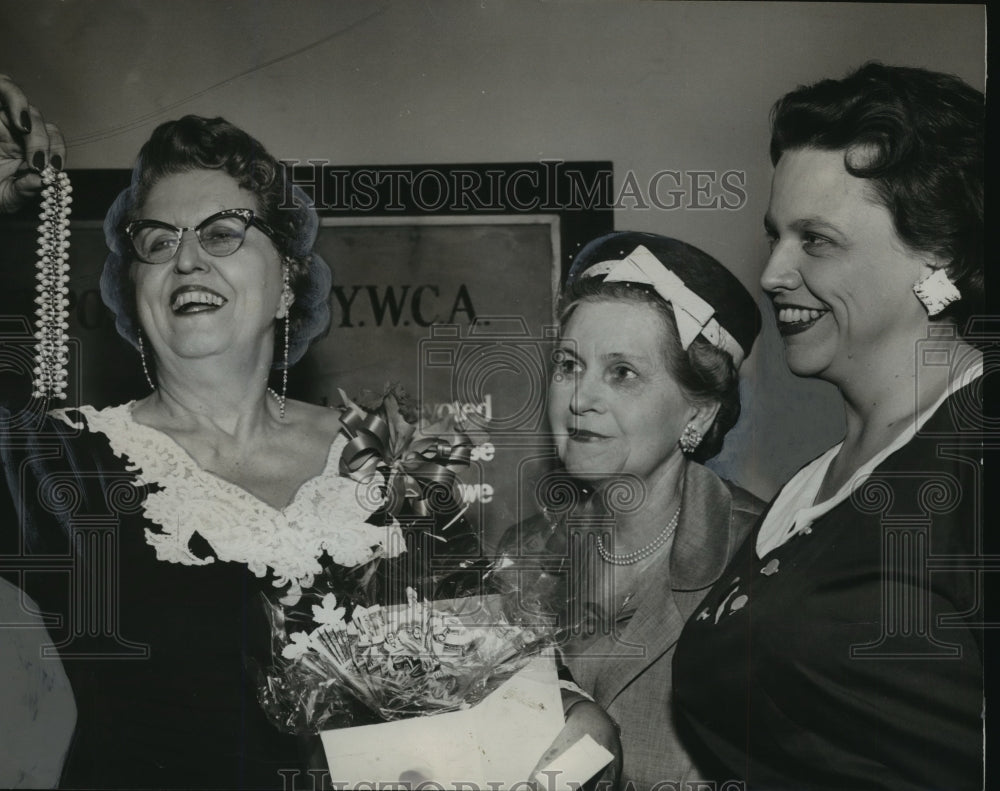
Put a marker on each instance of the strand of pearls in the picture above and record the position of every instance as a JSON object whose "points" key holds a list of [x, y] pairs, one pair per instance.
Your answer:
{"points": [[628, 558], [51, 349]]}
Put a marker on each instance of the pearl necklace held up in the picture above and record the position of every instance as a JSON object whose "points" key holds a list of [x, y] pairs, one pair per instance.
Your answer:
{"points": [[51, 347], [630, 558]]}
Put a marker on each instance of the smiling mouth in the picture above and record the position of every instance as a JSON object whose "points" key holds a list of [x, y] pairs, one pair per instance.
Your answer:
{"points": [[793, 320], [195, 300], [582, 435]]}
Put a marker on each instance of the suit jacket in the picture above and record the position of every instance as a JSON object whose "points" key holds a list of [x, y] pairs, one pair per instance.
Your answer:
{"points": [[854, 659], [629, 672]]}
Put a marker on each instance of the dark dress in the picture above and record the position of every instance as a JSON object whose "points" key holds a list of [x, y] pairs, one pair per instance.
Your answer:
{"points": [[159, 648], [850, 657]]}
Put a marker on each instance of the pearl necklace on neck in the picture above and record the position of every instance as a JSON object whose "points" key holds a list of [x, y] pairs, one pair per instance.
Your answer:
{"points": [[280, 398], [629, 558]]}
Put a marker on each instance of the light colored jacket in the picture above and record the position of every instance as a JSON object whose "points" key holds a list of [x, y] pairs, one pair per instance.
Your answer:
{"points": [[629, 673]]}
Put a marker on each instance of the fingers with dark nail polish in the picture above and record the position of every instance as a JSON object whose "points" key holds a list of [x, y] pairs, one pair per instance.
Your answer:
{"points": [[38, 161], [25, 122]]}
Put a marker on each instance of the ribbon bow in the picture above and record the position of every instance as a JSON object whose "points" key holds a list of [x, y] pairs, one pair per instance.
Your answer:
{"points": [[693, 314], [418, 465]]}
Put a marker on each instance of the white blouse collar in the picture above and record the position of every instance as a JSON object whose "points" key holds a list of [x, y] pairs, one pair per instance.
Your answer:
{"points": [[794, 509]]}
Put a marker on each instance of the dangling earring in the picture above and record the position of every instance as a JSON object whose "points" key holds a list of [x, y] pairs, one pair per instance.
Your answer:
{"points": [[284, 376], [142, 356], [936, 291], [287, 298], [690, 439]]}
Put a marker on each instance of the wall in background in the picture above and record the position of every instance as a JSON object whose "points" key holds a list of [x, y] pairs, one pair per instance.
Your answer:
{"points": [[654, 87]]}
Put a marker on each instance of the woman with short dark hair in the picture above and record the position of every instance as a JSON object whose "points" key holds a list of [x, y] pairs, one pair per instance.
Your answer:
{"points": [[840, 649]]}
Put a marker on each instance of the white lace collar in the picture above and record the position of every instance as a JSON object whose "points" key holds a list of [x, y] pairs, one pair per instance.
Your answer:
{"points": [[327, 513]]}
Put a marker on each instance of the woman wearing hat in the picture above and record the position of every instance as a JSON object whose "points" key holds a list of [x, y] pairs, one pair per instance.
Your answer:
{"points": [[644, 389], [854, 658]]}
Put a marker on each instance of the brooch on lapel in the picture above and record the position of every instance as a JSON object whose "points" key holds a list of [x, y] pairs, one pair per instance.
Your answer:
{"points": [[730, 600]]}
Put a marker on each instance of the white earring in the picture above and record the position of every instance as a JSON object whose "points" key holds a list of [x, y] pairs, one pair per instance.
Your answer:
{"points": [[936, 291]]}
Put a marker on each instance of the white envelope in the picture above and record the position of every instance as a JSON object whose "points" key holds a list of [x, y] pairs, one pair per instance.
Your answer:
{"points": [[493, 745]]}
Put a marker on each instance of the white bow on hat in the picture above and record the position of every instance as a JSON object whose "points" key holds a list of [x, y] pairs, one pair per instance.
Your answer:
{"points": [[693, 314]]}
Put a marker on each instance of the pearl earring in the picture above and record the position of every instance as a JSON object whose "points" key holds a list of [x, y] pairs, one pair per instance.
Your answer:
{"points": [[690, 439]]}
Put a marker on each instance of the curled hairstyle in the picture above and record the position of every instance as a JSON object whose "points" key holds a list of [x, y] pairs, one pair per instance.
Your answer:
{"points": [[705, 374], [917, 136], [196, 143]]}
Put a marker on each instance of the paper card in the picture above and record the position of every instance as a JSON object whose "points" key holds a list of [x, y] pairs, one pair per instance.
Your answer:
{"points": [[575, 766], [494, 744]]}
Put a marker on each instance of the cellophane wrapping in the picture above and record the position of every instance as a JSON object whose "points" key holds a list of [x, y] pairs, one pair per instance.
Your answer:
{"points": [[435, 628]]}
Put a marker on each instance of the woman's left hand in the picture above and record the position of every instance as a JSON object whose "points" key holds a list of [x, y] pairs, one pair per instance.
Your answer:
{"points": [[27, 145], [585, 718]]}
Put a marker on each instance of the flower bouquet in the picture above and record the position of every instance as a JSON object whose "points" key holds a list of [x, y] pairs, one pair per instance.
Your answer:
{"points": [[414, 632]]}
